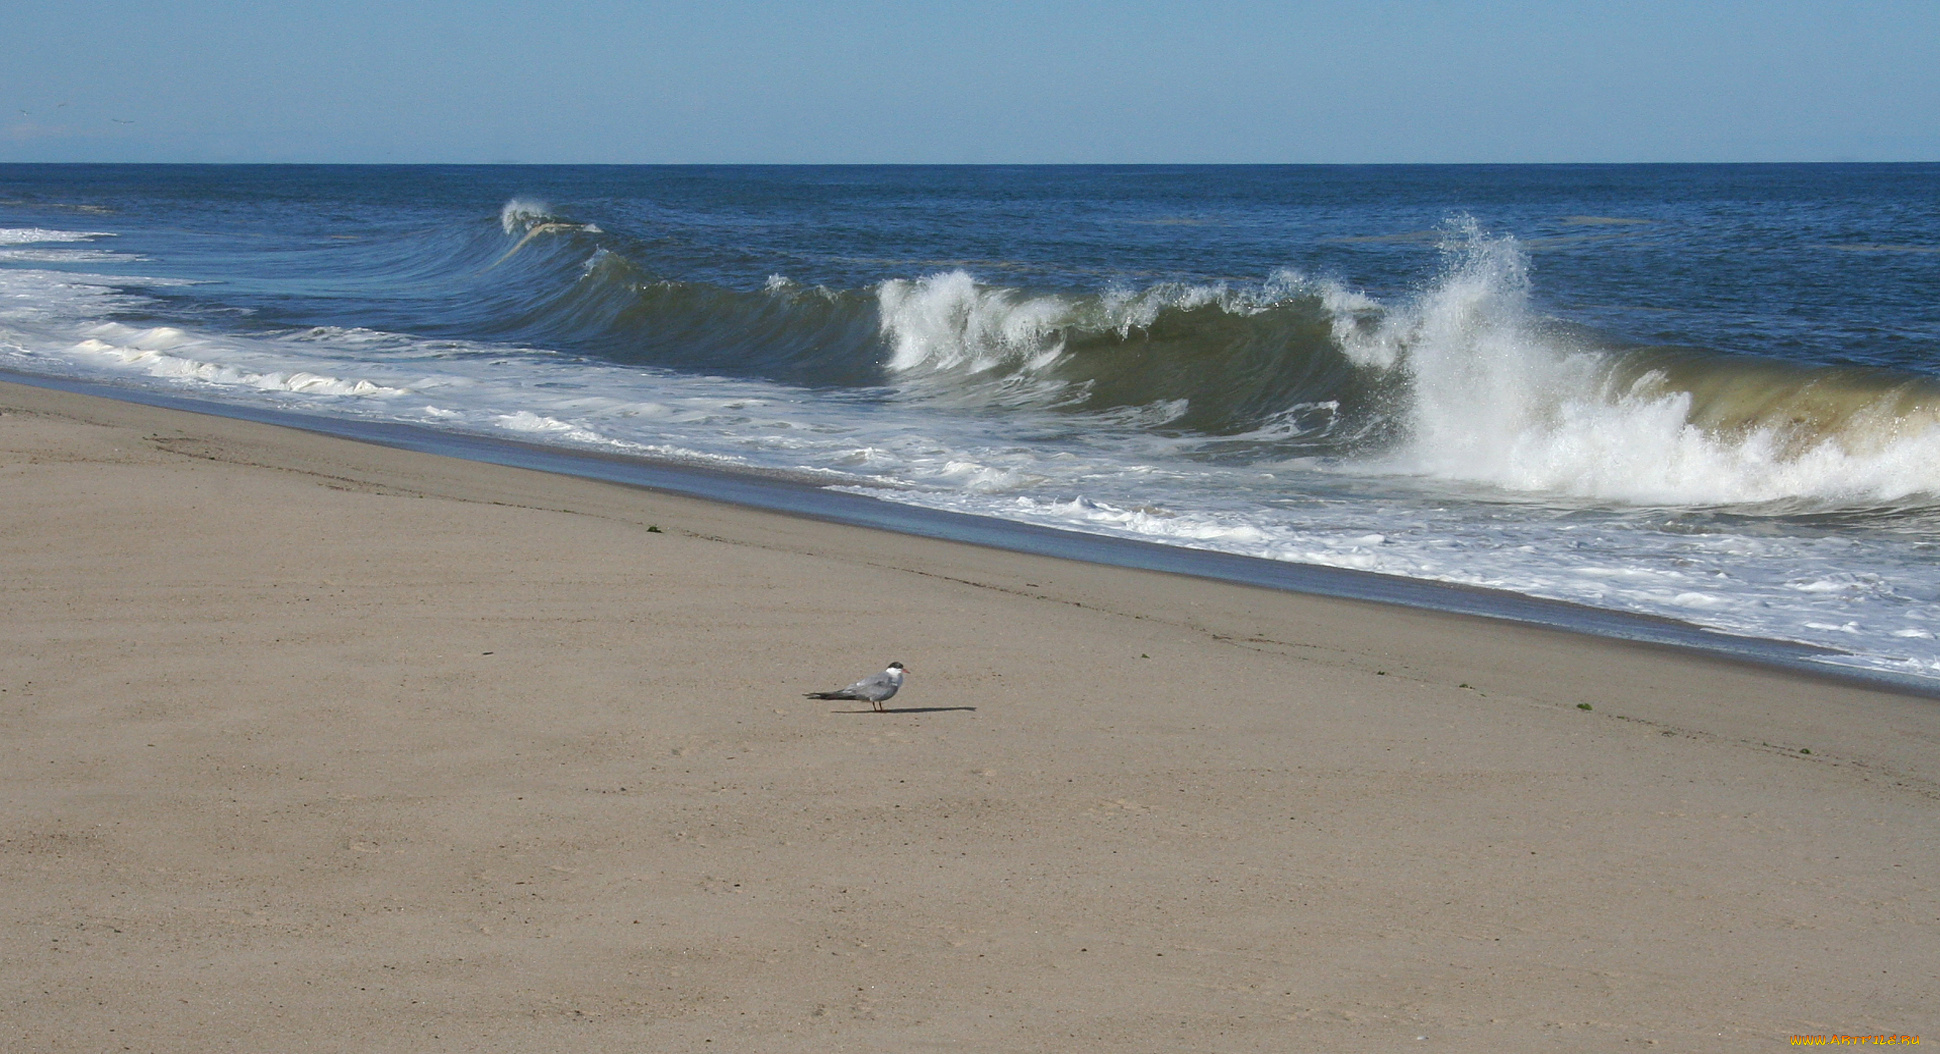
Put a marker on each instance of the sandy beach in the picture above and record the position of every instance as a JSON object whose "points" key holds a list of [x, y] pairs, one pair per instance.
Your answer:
{"points": [[313, 745]]}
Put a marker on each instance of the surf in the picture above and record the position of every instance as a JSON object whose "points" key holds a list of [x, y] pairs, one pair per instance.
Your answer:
{"points": [[1273, 379]]}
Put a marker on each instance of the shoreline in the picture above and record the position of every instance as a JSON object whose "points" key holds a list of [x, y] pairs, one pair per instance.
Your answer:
{"points": [[797, 495], [311, 743]]}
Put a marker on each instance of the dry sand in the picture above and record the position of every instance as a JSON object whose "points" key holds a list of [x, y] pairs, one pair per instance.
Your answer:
{"points": [[311, 745]]}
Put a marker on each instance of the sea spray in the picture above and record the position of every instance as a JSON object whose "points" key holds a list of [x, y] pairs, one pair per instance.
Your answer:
{"points": [[1497, 394]]}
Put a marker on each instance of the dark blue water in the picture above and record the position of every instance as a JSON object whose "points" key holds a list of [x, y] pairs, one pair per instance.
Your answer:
{"points": [[1707, 392]]}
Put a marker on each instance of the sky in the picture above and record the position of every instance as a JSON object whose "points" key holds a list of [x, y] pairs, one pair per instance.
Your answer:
{"points": [[1054, 81]]}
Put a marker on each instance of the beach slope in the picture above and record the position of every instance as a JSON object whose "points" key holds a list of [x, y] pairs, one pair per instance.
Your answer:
{"points": [[313, 745]]}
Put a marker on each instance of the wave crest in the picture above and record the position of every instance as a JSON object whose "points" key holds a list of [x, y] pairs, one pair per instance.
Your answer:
{"points": [[1464, 380], [1498, 394], [948, 321], [523, 214]]}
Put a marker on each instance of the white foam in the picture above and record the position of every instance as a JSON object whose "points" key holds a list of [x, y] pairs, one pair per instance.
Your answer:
{"points": [[1498, 397], [64, 256], [948, 321], [523, 214], [171, 354], [58, 298], [30, 235]]}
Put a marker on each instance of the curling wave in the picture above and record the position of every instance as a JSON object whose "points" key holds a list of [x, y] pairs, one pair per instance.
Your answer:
{"points": [[1464, 381]]}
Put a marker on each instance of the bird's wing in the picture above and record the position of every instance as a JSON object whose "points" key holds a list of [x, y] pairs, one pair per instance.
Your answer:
{"points": [[854, 691], [839, 693], [875, 686]]}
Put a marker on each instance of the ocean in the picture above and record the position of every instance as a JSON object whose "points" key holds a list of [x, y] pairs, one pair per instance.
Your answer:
{"points": [[1708, 393]]}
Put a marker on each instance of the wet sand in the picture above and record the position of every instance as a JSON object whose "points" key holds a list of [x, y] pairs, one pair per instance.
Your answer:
{"points": [[312, 745]]}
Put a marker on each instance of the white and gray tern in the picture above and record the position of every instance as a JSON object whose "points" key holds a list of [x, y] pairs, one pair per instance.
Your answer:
{"points": [[874, 689]]}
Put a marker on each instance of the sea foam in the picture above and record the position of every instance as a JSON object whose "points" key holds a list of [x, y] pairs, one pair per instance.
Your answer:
{"points": [[1488, 390], [31, 235], [1498, 395]]}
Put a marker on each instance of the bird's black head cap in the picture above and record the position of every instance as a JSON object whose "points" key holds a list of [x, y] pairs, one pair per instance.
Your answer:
{"points": [[895, 665]]}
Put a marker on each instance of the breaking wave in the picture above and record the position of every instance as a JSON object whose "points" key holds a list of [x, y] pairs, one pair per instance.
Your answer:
{"points": [[1465, 380], [1496, 393]]}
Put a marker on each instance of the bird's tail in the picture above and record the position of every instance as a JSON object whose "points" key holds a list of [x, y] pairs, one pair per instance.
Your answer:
{"points": [[826, 695]]}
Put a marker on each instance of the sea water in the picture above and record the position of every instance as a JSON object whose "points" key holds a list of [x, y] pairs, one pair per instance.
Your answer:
{"points": [[1701, 392]]}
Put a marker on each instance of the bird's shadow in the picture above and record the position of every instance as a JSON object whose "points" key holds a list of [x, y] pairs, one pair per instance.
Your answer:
{"points": [[908, 710]]}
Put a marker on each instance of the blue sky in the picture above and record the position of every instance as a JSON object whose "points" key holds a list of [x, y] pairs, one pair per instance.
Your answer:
{"points": [[1054, 81]]}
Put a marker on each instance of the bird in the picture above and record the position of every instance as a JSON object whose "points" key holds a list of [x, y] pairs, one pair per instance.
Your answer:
{"points": [[874, 689]]}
